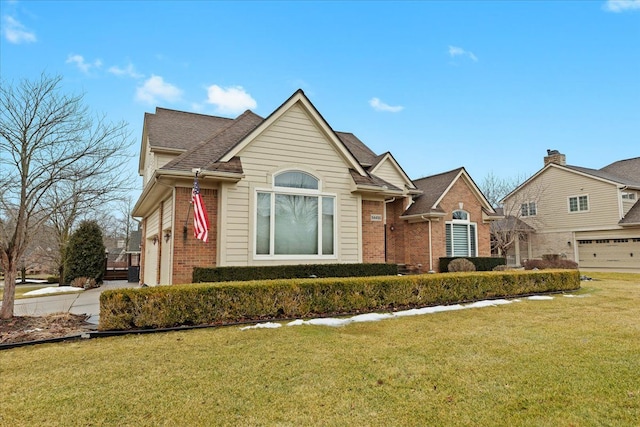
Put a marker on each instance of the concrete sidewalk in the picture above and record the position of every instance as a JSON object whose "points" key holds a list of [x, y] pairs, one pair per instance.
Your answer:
{"points": [[85, 302]]}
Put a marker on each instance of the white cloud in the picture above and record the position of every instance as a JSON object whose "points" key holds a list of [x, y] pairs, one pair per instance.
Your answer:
{"points": [[155, 89], [381, 106], [83, 65], [232, 99], [621, 5], [458, 51], [128, 71], [15, 32]]}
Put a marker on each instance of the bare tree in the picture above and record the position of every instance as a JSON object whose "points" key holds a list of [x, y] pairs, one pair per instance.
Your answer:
{"points": [[520, 210], [49, 142], [495, 188]]}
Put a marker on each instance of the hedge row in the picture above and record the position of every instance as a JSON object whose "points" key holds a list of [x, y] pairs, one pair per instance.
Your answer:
{"points": [[481, 263], [269, 272], [230, 302]]}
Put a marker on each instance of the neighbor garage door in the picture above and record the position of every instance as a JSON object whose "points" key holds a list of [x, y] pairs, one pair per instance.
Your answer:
{"points": [[609, 253]]}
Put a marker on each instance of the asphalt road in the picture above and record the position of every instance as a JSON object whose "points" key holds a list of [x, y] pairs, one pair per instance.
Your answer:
{"points": [[86, 302]]}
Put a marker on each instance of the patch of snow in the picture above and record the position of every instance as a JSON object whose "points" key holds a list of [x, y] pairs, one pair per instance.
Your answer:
{"points": [[374, 317], [53, 290], [267, 325]]}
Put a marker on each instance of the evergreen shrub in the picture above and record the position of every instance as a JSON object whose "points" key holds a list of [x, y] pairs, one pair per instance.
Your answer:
{"points": [[85, 254], [232, 302], [481, 263], [232, 274]]}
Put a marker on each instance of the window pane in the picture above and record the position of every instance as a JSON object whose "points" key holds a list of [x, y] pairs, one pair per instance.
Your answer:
{"points": [[472, 239], [573, 204], [263, 224], [296, 225], [532, 208], [584, 205], [296, 180], [327, 225], [460, 215], [460, 240], [524, 209]]}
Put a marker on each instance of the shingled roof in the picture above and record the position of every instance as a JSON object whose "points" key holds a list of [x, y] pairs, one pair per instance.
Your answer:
{"points": [[179, 130], [432, 187], [205, 140], [206, 154]]}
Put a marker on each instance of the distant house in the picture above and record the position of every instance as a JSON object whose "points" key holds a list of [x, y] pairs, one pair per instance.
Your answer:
{"points": [[591, 216], [288, 189]]}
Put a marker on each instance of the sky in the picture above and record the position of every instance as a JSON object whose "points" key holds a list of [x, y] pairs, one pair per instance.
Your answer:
{"points": [[488, 85]]}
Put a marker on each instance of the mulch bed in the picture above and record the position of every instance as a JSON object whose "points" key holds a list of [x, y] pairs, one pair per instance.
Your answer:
{"points": [[30, 328]]}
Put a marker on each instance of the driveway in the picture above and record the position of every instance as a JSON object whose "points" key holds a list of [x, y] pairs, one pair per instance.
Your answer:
{"points": [[86, 302]]}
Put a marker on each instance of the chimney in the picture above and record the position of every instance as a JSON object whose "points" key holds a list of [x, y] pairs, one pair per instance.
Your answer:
{"points": [[554, 156]]}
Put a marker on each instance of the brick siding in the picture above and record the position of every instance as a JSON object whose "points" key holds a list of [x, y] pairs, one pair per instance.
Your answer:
{"points": [[372, 232], [189, 252]]}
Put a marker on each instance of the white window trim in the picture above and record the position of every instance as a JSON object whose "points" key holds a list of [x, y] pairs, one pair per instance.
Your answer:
{"points": [[273, 190], [577, 197], [528, 203], [468, 223]]}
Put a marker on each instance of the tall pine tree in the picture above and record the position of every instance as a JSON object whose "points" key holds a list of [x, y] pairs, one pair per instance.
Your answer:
{"points": [[85, 255]]}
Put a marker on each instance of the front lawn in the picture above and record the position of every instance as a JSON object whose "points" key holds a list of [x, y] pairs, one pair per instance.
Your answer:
{"points": [[566, 361]]}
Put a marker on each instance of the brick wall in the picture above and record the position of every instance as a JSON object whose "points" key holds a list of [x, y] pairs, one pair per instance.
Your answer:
{"points": [[372, 232], [416, 235], [396, 231], [189, 252]]}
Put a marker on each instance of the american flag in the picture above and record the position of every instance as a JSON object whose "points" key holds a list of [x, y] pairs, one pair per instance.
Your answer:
{"points": [[200, 218]]}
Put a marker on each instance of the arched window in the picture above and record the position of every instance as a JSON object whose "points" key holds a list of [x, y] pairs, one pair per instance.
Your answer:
{"points": [[461, 238], [294, 219]]}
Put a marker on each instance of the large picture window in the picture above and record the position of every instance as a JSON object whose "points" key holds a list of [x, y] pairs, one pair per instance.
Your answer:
{"points": [[461, 239], [294, 219]]}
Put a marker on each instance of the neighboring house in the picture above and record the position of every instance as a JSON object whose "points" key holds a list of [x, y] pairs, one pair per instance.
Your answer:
{"points": [[288, 189], [591, 216]]}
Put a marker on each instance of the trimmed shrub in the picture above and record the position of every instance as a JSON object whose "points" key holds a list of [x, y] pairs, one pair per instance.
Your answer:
{"points": [[481, 263], [232, 302], [232, 274], [502, 267], [461, 264], [53, 279], [545, 264], [85, 255], [84, 283]]}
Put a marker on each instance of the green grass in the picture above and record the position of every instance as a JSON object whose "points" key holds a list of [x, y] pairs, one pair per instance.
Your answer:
{"points": [[563, 362], [21, 290]]}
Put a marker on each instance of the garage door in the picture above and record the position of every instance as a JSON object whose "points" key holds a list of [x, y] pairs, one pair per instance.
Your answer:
{"points": [[609, 253]]}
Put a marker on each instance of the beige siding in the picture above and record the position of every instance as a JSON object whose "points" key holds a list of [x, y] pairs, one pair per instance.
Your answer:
{"points": [[390, 173], [167, 214], [149, 166], [152, 224], [292, 142], [551, 191]]}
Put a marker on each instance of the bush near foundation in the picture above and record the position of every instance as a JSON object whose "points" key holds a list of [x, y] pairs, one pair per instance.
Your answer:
{"points": [[232, 302], [547, 263], [269, 272], [481, 263]]}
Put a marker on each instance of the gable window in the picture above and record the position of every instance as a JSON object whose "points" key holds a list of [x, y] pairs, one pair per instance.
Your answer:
{"points": [[461, 236], [528, 209], [294, 219], [628, 196], [578, 203]]}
